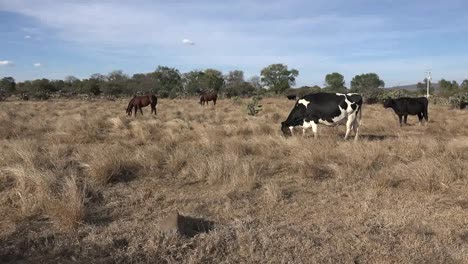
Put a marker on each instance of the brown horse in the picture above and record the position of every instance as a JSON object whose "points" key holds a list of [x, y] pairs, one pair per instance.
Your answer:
{"points": [[139, 102], [206, 97]]}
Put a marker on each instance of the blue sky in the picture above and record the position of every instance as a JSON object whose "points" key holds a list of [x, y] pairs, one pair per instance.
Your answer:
{"points": [[396, 39]]}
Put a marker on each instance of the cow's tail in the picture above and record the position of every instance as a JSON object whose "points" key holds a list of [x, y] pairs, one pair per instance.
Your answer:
{"points": [[426, 108], [360, 114]]}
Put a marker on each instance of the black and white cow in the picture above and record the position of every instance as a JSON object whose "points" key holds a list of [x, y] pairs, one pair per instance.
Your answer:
{"points": [[325, 108], [405, 106]]}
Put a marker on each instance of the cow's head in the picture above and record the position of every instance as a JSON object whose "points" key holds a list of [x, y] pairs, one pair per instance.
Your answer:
{"points": [[388, 102], [285, 129]]}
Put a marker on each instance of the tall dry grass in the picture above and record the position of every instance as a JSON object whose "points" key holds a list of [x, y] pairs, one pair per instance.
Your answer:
{"points": [[81, 181]]}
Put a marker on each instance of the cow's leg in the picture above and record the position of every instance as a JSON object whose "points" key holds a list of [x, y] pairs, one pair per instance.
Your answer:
{"points": [[426, 116], [214, 102], [420, 117], [349, 124], [406, 119], [135, 110], [356, 129], [305, 126], [400, 118], [314, 128], [292, 130]]}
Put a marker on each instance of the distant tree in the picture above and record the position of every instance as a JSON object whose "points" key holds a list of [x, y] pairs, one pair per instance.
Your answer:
{"points": [[335, 83], [278, 78], [422, 87], [169, 81], [99, 77], [315, 89], [256, 83], [368, 84], [303, 90], [142, 83], [8, 84], [59, 85], [464, 86], [455, 86], [40, 88], [116, 83], [236, 86], [90, 86], [193, 82], [448, 88], [70, 79], [213, 79], [234, 77]]}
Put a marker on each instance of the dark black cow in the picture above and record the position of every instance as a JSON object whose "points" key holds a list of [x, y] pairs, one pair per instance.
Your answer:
{"points": [[291, 96], [325, 108], [405, 106], [463, 104]]}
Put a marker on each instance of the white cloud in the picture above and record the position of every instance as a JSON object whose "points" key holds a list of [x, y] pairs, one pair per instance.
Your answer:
{"points": [[37, 64], [6, 63], [27, 36], [188, 42]]}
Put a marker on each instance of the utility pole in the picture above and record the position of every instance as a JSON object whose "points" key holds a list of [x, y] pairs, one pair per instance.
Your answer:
{"points": [[428, 80]]}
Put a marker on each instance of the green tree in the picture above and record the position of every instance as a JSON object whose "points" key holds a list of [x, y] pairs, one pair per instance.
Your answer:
{"points": [[448, 88], [455, 86], [464, 86], [278, 78], [168, 80], [213, 79], [422, 87], [99, 77], [235, 84], [335, 83], [368, 85], [116, 83], [193, 82], [142, 83], [8, 84], [90, 86], [255, 82]]}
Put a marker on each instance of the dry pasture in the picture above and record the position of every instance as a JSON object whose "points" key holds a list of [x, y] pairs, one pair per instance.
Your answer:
{"points": [[82, 182]]}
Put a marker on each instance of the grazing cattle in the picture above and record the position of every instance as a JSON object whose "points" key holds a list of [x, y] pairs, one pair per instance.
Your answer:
{"points": [[206, 97], [139, 102], [405, 106], [325, 108], [291, 96]]}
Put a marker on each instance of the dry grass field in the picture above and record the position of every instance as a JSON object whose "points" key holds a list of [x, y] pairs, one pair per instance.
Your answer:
{"points": [[82, 182]]}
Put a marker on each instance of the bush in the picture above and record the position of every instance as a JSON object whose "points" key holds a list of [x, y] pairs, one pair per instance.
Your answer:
{"points": [[253, 107], [237, 100]]}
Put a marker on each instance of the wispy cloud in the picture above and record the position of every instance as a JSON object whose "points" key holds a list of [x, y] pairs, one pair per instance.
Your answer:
{"points": [[6, 63], [37, 65], [27, 36], [188, 42]]}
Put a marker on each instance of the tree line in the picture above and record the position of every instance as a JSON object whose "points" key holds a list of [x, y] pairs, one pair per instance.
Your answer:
{"points": [[169, 82]]}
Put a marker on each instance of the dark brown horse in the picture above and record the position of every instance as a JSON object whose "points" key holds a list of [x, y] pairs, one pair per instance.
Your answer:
{"points": [[206, 97], [139, 102]]}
